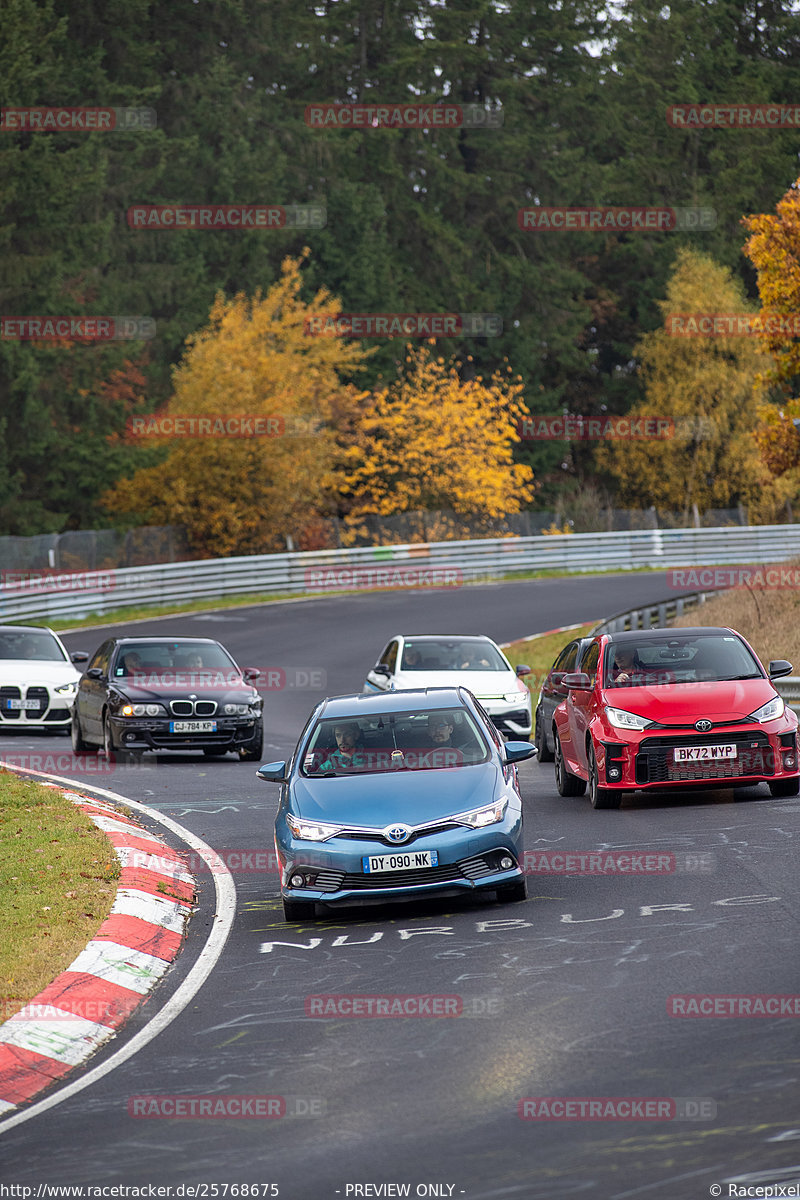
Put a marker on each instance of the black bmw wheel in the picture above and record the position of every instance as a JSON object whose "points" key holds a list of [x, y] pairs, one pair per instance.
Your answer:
{"points": [[108, 738], [253, 750], [78, 743]]}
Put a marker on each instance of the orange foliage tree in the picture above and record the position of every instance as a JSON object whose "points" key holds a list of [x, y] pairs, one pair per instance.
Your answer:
{"points": [[774, 248], [433, 440], [254, 359]]}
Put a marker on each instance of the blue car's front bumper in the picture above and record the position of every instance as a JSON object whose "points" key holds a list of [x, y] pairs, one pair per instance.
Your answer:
{"points": [[468, 859]]}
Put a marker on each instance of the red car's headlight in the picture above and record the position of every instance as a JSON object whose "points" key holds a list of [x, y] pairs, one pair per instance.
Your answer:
{"points": [[770, 711], [626, 720]]}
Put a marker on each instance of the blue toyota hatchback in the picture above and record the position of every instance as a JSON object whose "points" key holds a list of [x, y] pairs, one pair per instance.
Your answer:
{"points": [[396, 797]]}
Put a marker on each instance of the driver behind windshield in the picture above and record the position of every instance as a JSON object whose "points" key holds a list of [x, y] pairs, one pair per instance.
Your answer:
{"points": [[349, 750], [626, 664]]}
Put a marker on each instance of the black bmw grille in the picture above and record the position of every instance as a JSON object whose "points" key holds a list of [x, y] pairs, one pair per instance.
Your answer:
{"points": [[655, 761]]}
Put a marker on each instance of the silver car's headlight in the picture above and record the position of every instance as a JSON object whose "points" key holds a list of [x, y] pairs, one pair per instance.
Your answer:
{"points": [[490, 814], [626, 720], [311, 831], [770, 711]]}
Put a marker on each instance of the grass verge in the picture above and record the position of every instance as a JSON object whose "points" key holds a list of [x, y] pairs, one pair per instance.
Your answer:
{"points": [[57, 882], [539, 653], [768, 618]]}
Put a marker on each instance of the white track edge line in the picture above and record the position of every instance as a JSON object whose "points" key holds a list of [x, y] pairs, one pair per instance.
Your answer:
{"points": [[223, 921]]}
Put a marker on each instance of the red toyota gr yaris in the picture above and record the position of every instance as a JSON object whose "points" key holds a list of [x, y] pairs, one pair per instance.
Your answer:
{"points": [[671, 708]]}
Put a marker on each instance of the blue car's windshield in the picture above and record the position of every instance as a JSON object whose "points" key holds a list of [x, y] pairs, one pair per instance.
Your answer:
{"points": [[424, 740]]}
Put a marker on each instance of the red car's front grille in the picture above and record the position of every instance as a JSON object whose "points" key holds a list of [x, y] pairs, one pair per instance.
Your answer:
{"points": [[655, 762]]}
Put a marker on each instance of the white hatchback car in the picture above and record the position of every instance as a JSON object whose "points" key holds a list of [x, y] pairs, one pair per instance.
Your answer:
{"points": [[477, 663], [38, 681]]}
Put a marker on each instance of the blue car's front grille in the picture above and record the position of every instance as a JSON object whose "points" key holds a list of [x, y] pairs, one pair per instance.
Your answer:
{"points": [[403, 879], [330, 880]]}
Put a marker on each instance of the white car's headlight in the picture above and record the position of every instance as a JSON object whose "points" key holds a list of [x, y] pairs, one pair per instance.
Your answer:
{"points": [[511, 697], [311, 831], [67, 689], [479, 817], [626, 720], [770, 711]]}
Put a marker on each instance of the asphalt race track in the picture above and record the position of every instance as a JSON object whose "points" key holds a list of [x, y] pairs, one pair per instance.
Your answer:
{"points": [[565, 995]]}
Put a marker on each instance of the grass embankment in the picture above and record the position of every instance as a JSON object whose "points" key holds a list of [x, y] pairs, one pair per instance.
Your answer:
{"points": [[57, 885], [769, 619], [539, 653]]}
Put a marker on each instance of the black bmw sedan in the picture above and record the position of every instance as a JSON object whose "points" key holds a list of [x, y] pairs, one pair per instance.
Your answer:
{"points": [[161, 693]]}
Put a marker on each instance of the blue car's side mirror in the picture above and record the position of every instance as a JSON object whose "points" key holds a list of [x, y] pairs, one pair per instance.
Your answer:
{"points": [[274, 772], [519, 751]]}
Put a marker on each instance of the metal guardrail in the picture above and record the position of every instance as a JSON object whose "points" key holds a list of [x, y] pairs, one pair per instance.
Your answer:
{"points": [[651, 616], [434, 564]]}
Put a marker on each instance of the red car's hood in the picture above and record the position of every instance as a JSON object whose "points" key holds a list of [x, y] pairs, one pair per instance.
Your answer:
{"points": [[685, 703]]}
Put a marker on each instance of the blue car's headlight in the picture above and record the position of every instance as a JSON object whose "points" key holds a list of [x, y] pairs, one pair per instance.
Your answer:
{"points": [[770, 711], [490, 814], [311, 831]]}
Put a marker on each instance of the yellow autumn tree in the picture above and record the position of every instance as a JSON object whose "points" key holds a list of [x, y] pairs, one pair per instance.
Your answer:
{"points": [[707, 386], [433, 440], [774, 249], [254, 359]]}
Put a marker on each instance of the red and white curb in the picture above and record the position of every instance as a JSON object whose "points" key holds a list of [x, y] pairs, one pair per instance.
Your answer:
{"points": [[85, 1006]]}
